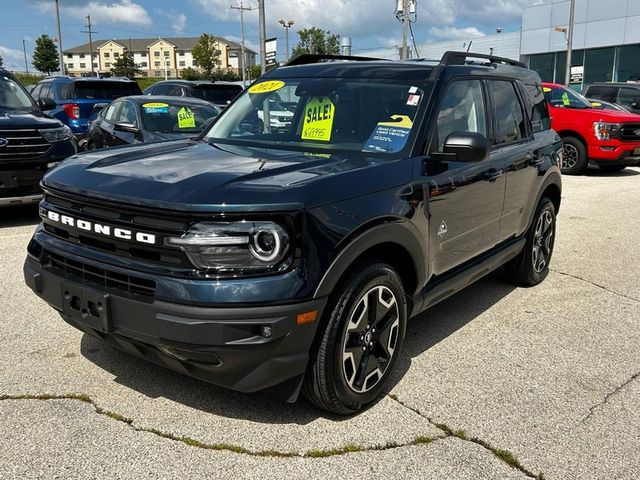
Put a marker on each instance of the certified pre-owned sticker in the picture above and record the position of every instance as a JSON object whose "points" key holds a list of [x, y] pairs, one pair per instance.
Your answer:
{"points": [[156, 107]]}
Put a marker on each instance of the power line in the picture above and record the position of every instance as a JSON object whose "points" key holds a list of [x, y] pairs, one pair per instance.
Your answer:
{"points": [[242, 9]]}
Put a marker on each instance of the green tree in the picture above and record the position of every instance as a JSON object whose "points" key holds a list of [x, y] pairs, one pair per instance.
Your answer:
{"points": [[45, 55], [206, 54], [254, 71], [190, 74], [124, 66], [316, 40], [1, 62], [225, 75]]}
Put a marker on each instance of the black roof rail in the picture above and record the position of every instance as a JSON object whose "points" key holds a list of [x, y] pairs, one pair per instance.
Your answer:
{"points": [[459, 58], [309, 58]]}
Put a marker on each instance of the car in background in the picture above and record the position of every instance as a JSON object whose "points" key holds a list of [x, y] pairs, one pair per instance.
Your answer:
{"points": [[279, 116], [603, 105], [140, 119], [625, 94], [30, 143], [219, 93], [76, 101], [606, 138]]}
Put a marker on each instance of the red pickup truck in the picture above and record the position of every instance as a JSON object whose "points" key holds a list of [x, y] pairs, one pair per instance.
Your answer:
{"points": [[606, 138]]}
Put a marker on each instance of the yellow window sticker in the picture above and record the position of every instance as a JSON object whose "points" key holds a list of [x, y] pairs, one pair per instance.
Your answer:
{"points": [[186, 118], [546, 89], [596, 104], [155, 107], [266, 87], [565, 99], [318, 119]]}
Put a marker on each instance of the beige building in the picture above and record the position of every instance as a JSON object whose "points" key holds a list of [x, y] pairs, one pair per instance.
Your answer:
{"points": [[152, 55]]}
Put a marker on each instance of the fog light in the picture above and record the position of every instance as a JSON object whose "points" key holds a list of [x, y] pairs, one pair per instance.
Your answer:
{"points": [[266, 331]]}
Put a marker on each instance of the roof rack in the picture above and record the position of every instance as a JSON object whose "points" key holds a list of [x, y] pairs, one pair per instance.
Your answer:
{"points": [[459, 58], [309, 58]]}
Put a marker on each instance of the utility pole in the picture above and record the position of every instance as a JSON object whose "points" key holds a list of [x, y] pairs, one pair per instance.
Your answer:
{"points": [[90, 32], [405, 29], [287, 24], [567, 74], [59, 39], [242, 8], [24, 49], [263, 37]]}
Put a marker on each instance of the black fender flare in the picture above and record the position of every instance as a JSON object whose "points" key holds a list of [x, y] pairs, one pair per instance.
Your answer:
{"points": [[402, 233], [553, 178]]}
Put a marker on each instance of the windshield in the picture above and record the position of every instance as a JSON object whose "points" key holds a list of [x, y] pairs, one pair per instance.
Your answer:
{"points": [[221, 94], [322, 115], [12, 96], [102, 90], [176, 116], [565, 98]]}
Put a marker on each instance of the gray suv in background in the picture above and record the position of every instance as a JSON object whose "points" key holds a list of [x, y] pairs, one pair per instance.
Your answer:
{"points": [[219, 93], [625, 94]]}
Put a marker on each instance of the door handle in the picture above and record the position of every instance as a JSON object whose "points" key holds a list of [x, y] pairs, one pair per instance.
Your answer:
{"points": [[493, 175]]}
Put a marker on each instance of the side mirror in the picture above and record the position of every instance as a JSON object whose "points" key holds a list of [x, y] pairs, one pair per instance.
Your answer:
{"points": [[467, 146], [47, 103], [126, 127]]}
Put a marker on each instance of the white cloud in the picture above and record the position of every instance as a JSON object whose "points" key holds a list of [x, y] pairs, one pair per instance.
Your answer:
{"points": [[179, 24], [453, 33], [115, 12], [13, 59]]}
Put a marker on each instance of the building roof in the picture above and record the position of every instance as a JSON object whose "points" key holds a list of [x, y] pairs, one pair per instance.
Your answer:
{"points": [[141, 44]]}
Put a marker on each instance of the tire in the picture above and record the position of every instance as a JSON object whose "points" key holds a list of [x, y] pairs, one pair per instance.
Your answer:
{"points": [[531, 266], [350, 365], [574, 156], [612, 168]]}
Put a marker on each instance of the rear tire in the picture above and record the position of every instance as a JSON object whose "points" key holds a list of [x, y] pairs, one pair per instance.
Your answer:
{"points": [[574, 156], [531, 266], [359, 342]]}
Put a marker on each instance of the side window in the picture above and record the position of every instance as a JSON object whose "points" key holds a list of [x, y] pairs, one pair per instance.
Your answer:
{"points": [[537, 106], [110, 112], [36, 91], [462, 110], [127, 113], [608, 94], [175, 91], [162, 89], [46, 91], [627, 96], [507, 112]]}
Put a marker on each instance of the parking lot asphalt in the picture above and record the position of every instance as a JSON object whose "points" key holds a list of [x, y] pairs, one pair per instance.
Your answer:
{"points": [[495, 382]]}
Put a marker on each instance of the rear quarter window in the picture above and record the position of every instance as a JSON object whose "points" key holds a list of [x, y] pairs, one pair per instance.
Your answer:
{"points": [[537, 106]]}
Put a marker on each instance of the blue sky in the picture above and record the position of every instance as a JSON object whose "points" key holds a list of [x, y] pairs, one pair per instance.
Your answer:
{"points": [[370, 23]]}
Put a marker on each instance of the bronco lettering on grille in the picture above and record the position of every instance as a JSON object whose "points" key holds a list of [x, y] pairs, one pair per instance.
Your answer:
{"points": [[106, 230]]}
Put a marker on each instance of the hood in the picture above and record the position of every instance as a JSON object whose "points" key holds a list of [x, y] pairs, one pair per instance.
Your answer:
{"points": [[26, 120], [612, 116], [195, 175]]}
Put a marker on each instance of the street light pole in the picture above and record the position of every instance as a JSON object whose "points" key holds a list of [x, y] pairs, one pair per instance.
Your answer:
{"points": [[405, 29], [90, 32], [243, 58], [24, 49], [567, 73], [287, 25], [263, 37], [59, 39]]}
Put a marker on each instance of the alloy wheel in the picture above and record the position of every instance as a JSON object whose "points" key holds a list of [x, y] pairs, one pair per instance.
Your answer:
{"points": [[569, 157], [542, 241], [370, 339]]}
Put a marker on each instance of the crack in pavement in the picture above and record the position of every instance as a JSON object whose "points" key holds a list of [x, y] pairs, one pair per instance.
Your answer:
{"points": [[615, 391], [192, 442], [504, 455], [595, 285]]}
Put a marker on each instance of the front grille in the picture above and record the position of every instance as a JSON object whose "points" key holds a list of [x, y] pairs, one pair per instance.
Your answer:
{"points": [[102, 277], [24, 144], [630, 132]]}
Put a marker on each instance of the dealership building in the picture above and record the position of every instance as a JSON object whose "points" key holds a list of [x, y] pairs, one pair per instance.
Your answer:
{"points": [[606, 41]]}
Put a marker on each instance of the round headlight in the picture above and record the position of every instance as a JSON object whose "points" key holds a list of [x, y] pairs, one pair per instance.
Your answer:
{"points": [[265, 244]]}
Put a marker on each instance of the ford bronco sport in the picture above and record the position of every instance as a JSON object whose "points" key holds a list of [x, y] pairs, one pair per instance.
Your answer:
{"points": [[291, 259]]}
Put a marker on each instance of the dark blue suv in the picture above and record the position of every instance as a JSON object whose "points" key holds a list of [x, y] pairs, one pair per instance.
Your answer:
{"points": [[291, 259], [76, 101]]}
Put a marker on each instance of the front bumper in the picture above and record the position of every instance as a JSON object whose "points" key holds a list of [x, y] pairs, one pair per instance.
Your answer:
{"points": [[615, 153], [224, 345]]}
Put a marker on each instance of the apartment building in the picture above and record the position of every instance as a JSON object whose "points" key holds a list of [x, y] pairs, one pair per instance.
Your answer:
{"points": [[152, 55]]}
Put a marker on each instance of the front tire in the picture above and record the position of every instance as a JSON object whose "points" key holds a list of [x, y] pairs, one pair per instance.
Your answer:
{"points": [[531, 266], [360, 341], [574, 156]]}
